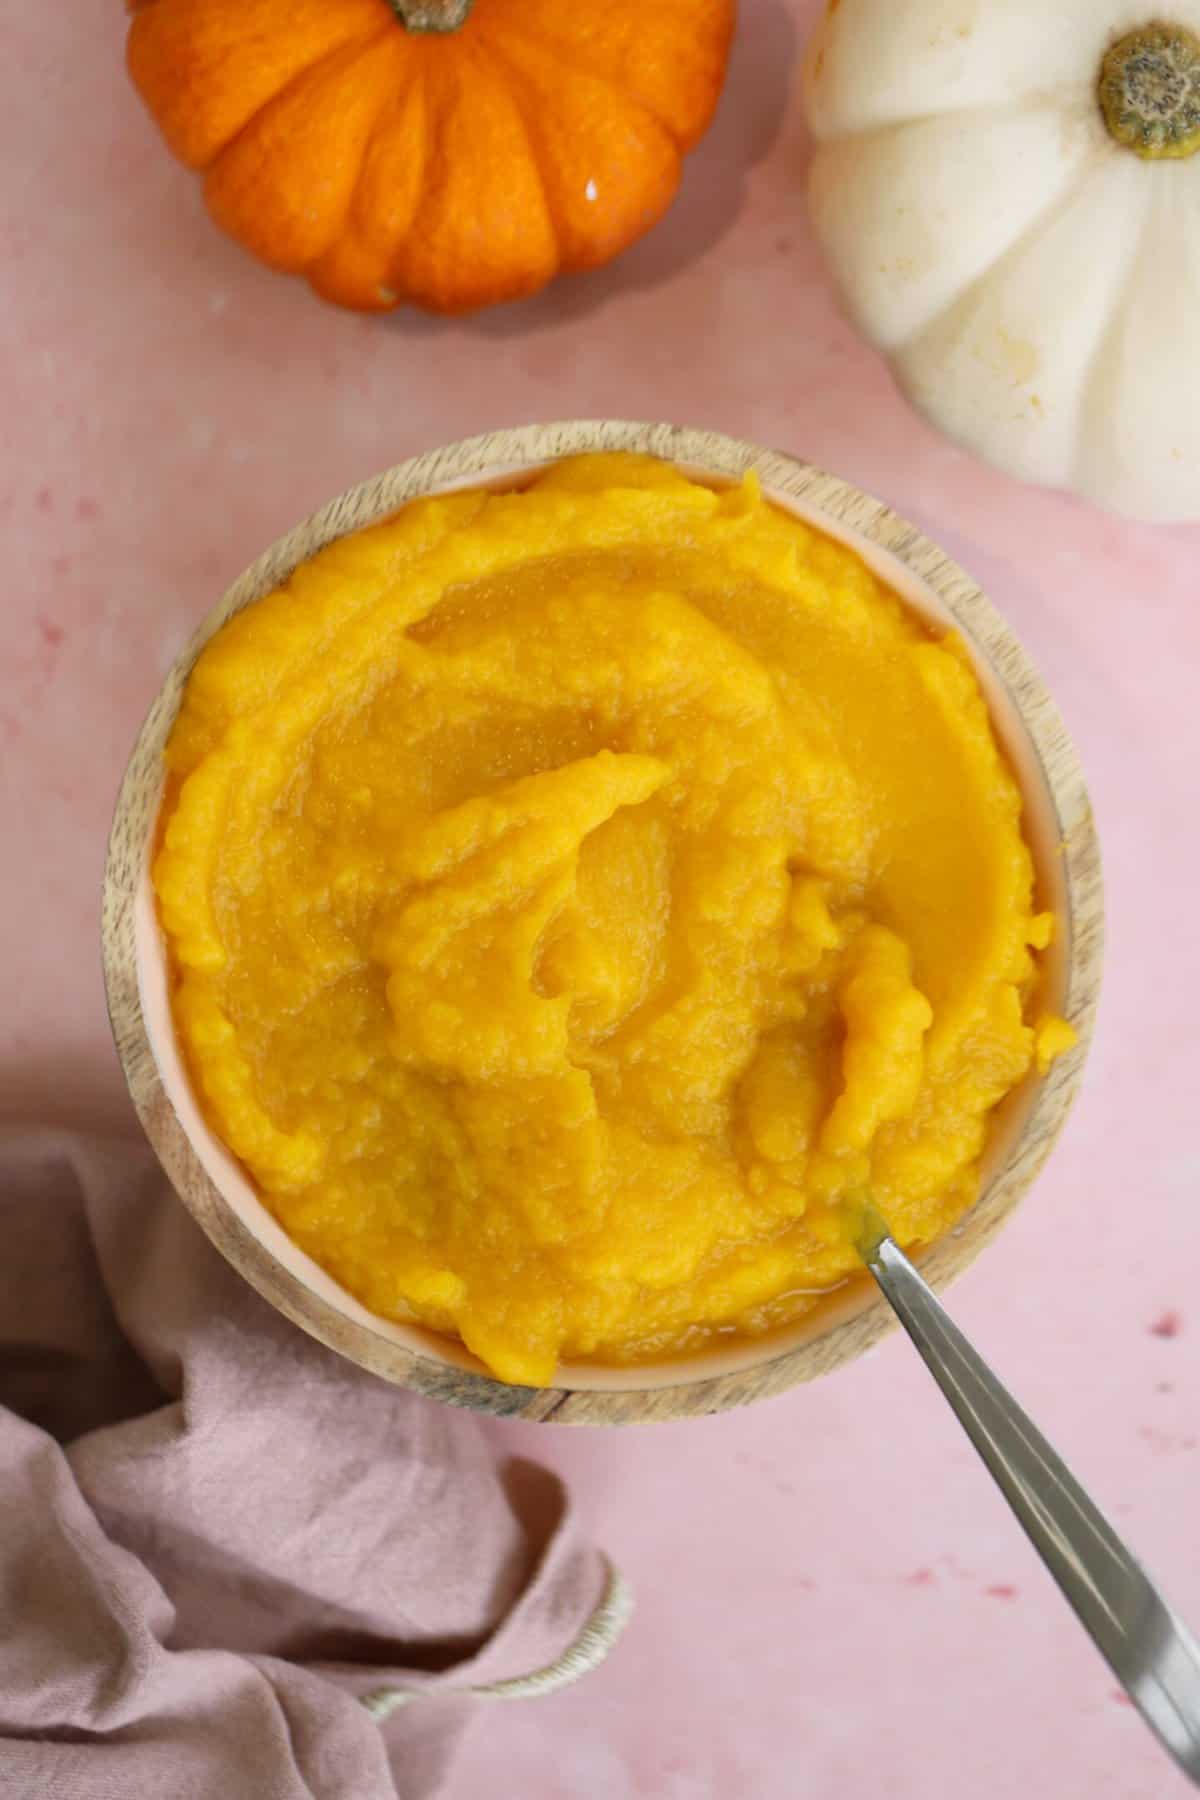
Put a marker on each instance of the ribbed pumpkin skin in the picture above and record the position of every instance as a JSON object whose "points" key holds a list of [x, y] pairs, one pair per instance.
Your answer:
{"points": [[447, 170]]}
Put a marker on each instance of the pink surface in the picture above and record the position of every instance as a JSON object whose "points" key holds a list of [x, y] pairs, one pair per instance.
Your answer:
{"points": [[832, 1601], [225, 1560]]}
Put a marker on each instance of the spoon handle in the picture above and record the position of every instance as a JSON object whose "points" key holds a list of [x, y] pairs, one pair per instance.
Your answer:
{"points": [[1150, 1650]]}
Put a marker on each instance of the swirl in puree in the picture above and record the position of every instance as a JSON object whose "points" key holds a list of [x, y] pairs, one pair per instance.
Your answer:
{"points": [[576, 896]]}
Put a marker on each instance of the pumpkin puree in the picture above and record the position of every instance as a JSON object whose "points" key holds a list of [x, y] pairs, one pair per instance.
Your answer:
{"points": [[576, 896]]}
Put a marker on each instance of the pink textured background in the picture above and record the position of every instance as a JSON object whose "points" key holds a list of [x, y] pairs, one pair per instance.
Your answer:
{"points": [[833, 1603]]}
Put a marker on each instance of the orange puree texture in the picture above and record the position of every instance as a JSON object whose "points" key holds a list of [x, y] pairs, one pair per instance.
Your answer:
{"points": [[575, 895]]}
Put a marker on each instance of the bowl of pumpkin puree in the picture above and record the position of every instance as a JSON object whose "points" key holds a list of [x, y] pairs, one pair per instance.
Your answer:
{"points": [[560, 880]]}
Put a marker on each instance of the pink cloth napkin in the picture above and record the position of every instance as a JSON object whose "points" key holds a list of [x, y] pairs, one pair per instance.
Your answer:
{"points": [[231, 1564]]}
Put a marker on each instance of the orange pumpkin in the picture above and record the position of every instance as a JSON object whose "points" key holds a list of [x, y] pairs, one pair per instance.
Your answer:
{"points": [[448, 153]]}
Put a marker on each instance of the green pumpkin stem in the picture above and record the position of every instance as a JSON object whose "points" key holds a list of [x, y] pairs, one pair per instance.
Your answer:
{"points": [[431, 15], [1150, 91]]}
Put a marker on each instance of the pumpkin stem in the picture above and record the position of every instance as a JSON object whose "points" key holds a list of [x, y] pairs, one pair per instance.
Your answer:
{"points": [[431, 15], [1150, 91]]}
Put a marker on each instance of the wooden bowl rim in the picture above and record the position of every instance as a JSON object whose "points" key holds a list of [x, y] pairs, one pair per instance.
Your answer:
{"points": [[768, 1369]]}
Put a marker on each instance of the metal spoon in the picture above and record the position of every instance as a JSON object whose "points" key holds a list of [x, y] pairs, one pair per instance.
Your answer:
{"points": [[1150, 1651]]}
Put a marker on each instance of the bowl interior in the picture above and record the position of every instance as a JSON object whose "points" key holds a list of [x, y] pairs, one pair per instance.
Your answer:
{"points": [[1043, 830]]}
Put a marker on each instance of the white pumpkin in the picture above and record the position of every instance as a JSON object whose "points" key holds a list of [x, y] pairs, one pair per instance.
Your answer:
{"points": [[1008, 197]]}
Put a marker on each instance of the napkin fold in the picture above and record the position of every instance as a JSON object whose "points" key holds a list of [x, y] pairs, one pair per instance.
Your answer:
{"points": [[232, 1564]]}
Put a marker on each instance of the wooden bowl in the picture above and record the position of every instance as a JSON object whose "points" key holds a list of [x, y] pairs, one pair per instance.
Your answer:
{"points": [[216, 1190]]}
